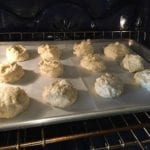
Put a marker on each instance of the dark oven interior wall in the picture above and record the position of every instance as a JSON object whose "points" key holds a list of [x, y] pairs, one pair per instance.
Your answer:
{"points": [[73, 15]]}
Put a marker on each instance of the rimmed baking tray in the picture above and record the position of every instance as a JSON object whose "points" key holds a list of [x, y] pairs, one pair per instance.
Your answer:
{"points": [[88, 105]]}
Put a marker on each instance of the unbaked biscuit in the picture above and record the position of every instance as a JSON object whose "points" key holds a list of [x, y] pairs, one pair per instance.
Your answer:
{"points": [[84, 48], [16, 53], [52, 68], [108, 86], [10, 72], [60, 94], [142, 78], [116, 51], [13, 101], [93, 63], [133, 63], [48, 52]]}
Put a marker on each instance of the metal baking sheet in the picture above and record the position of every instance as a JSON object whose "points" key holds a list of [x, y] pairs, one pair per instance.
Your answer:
{"points": [[88, 104]]}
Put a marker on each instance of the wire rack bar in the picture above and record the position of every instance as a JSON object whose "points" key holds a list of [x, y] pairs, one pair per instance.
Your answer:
{"points": [[47, 36], [44, 141]]}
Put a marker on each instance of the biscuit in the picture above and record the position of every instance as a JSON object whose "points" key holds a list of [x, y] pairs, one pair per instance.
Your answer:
{"points": [[142, 78], [93, 63], [13, 101], [116, 51], [83, 48], [60, 94], [10, 72], [133, 63], [52, 68], [48, 52], [16, 53], [108, 86]]}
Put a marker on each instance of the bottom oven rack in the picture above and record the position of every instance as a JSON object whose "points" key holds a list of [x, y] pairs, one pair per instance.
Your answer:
{"points": [[128, 131]]}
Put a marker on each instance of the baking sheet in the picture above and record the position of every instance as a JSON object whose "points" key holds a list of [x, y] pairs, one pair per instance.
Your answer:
{"points": [[88, 104]]}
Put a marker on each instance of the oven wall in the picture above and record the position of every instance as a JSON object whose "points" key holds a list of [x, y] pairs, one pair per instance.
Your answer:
{"points": [[73, 15]]}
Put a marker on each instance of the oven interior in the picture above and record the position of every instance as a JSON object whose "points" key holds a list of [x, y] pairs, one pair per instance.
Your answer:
{"points": [[124, 131]]}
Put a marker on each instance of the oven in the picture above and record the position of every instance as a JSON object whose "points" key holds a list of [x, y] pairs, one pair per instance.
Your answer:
{"points": [[121, 131]]}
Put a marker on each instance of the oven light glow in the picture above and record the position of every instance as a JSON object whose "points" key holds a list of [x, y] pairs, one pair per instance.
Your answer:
{"points": [[122, 22], [130, 43]]}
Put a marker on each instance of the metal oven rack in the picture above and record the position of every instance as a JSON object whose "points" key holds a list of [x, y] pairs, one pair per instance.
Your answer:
{"points": [[128, 131], [43, 36]]}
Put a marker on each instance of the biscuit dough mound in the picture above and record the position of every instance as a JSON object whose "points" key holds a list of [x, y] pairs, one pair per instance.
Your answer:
{"points": [[16, 53], [13, 101], [53, 68], [108, 86], [60, 94], [143, 78], [93, 63], [83, 48], [48, 52], [116, 51], [10, 72], [133, 63]]}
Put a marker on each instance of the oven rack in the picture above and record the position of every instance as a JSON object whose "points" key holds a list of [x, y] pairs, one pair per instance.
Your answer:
{"points": [[46, 36], [128, 131]]}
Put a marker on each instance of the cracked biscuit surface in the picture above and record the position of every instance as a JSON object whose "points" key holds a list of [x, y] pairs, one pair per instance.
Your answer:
{"points": [[13, 101], [16, 53], [48, 52], [108, 86], [60, 94], [142, 78], [93, 63], [10, 72], [116, 51], [83, 48], [133, 63], [52, 68]]}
